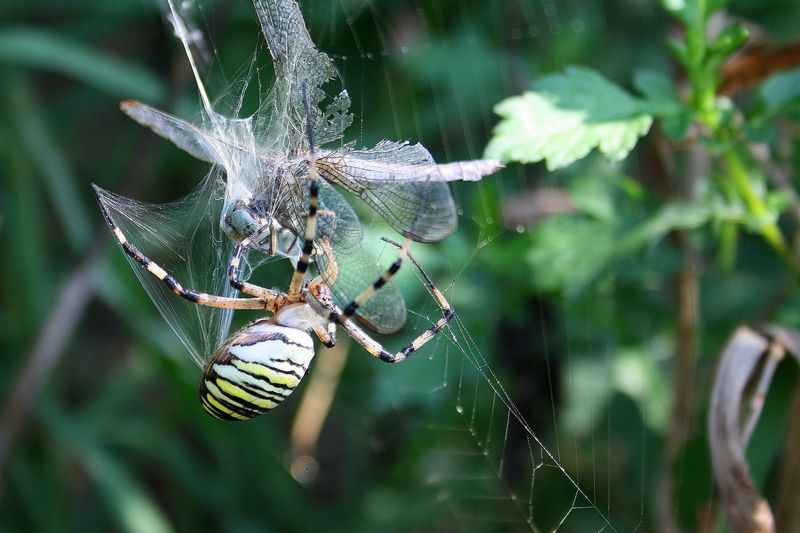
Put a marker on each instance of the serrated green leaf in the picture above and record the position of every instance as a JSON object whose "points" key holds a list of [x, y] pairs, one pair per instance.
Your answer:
{"points": [[566, 117], [569, 252]]}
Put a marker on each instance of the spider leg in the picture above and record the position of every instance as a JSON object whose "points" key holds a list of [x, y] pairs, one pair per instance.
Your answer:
{"points": [[298, 278], [369, 292], [327, 336], [209, 300], [335, 315], [246, 287]]}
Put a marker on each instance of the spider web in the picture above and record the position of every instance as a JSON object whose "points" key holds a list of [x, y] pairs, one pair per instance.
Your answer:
{"points": [[489, 462], [491, 468]]}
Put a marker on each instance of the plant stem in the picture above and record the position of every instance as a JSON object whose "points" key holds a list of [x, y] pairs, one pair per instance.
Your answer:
{"points": [[769, 228], [728, 243]]}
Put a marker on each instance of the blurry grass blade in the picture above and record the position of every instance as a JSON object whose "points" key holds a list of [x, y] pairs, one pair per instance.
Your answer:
{"points": [[38, 489], [35, 48], [127, 500], [24, 257], [131, 304], [46, 155]]}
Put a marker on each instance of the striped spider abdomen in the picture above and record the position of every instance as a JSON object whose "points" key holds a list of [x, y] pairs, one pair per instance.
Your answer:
{"points": [[255, 370]]}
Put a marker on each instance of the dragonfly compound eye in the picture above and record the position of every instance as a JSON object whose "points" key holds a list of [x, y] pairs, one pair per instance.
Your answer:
{"points": [[242, 222], [255, 371]]}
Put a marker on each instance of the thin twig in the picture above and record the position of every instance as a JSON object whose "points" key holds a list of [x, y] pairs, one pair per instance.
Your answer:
{"points": [[688, 302], [75, 294], [787, 507], [314, 409]]}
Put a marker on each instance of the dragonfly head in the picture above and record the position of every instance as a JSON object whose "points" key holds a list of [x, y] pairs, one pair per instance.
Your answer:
{"points": [[243, 220]]}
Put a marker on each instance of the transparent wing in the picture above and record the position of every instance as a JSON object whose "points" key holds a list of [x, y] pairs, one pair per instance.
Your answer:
{"points": [[184, 135], [184, 238], [297, 61], [353, 269], [401, 182]]}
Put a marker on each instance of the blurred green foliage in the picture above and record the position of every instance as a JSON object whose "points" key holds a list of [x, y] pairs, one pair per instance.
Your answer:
{"points": [[576, 313]]}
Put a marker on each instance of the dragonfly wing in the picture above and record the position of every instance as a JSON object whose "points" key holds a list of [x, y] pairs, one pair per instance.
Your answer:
{"points": [[184, 135], [385, 312], [404, 185], [348, 269], [297, 62]]}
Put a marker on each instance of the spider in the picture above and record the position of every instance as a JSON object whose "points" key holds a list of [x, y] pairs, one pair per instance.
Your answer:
{"points": [[262, 363]]}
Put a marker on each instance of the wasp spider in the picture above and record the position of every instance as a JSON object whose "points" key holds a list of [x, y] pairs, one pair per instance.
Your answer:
{"points": [[261, 364]]}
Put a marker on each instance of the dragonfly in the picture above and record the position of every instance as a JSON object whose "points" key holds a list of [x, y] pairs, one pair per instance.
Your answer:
{"points": [[265, 161]]}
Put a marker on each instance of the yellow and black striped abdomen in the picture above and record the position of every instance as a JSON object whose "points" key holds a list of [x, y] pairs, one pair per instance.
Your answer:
{"points": [[255, 370]]}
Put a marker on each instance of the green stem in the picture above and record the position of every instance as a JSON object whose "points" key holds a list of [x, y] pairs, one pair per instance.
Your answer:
{"points": [[769, 228], [728, 243]]}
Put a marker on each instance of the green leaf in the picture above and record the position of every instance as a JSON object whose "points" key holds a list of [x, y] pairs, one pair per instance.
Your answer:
{"points": [[661, 96], [558, 256], [778, 95], [729, 40], [569, 252], [670, 217], [565, 117], [679, 50], [34, 48]]}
